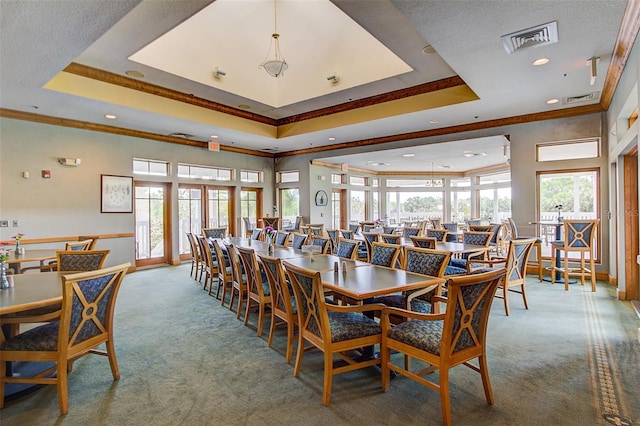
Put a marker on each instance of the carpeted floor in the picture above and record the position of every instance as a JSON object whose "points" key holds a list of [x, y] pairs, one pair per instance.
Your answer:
{"points": [[572, 359]]}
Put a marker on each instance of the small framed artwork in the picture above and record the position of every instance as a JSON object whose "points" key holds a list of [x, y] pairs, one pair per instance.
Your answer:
{"points": [[116, 194]]}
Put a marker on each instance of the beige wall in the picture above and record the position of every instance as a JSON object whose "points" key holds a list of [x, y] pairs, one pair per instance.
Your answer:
{"points": [[69, 203]]}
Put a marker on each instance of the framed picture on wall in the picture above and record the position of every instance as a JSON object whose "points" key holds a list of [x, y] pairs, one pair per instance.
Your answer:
{"points": [[116, 194]]}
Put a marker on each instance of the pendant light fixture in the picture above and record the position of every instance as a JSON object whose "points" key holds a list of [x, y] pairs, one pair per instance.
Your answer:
{"points": [[278, 65]]}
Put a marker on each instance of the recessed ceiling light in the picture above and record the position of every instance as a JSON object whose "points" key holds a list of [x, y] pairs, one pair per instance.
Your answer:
{"points": [[409, 155], [214, 136], [434, 121], [135, 74], [470, 154], [332, 138], [428, 50], [553, 101], [110, 116], [244, 106], [540, 61], [444, 167]]}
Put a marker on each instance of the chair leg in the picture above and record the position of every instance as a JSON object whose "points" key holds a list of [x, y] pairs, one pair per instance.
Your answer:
{"points": [[63, 395], [505, 297], [299, 355], [524, 295], [592, 267], [566, 271], [582, 268], [539, 255], [113, 362], [386, 371], [444, 397], [328, 378], [290, 337], [486, 383]]}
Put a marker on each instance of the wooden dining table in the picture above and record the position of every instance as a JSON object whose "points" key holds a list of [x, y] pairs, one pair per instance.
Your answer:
{"points": [[29, 291], [31, 255], [261, 247]]}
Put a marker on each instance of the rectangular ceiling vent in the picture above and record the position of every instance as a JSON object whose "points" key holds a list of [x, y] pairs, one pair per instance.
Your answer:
{"points": [[532, 37], [181, 135], [582, 98]]}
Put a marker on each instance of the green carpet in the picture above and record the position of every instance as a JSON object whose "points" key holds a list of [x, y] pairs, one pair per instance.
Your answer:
{"points": [[572, 359]]}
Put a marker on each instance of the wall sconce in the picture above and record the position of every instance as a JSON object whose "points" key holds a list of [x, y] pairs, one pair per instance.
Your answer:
{"points": [[219, 72], [333, 77], [592, 63], [70, 162]]}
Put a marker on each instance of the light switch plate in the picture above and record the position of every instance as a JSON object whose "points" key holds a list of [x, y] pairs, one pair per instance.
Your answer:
{"points": [[4, 223]]}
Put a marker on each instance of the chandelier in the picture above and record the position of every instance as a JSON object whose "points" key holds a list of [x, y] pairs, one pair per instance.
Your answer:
{"points": [[278, 65]]}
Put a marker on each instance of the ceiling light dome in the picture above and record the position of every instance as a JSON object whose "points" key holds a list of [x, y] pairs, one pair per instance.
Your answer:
{"points": [[278, 65]]}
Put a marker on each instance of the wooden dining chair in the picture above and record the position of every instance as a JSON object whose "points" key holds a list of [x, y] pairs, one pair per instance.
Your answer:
{"points": [[258, 288], [248, 226], [323, 242], [225, 273], [283, 238], [515, 262], [273, 222], [443, 341], [364, 253], [196, 263], [238, 281], [283, 305], [299, 240], [335, 330], [424, 242], [86, 260], [391, 238], [473, 238], [347, 233], [409, 231], [86, 321], [384, 254], [347, 249], [537, 263], [579, 236], [438, 234], [333, 234], [210, 264], [213, 233]]}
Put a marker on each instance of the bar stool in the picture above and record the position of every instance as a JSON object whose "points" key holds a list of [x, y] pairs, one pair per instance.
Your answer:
{"points": [[579, 236]]}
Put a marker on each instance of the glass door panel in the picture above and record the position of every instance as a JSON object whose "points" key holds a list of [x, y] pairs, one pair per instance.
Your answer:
{"points": [[152, 238], [189, 214]]}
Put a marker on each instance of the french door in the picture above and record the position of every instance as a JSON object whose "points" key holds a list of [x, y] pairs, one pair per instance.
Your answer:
{"points": [[153, 236], [250, 206]]}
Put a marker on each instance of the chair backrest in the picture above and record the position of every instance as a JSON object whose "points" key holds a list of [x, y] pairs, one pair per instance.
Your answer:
{"points": [[252, 270], [92, 238], [480, 228], [450, 226], [367, 227], [579, 235], [496, 228], [256, 233], [273, 222], [469, 299], [333, 234], [436, 223], [280, 294], [205, 252], [370, 237], [424, 242], [516, 260], [316, 230], [479, 238], [299, 240], [297, 223], [282, 238], [86, 260], [88, 302], [425, 261], [214, 232], [391, 238], [236, 270], [79, 245], [473, 222], [313, 319], [388, 229], [322, 242], [247, 224], [408, 231], [438, 234], [223, 260], [347, 249], [354, 228], [347, 233], [384, 254], [193, 246]]}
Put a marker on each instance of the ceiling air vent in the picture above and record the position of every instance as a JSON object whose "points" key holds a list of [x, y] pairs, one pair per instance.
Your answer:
{"points": [[181, 135], [582, 98], [532, 37]]}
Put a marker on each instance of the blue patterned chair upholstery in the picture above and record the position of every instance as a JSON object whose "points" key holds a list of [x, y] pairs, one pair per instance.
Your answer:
{"points": [[438, 234], [364, 253], [408, 232], [421, 261], [443, 341], [257, 234], [424, 242], [210, 267], [333, 234], [389, 229], [348, 234], [296, 225], [347, 249], [283, 304], [213, 233], [579, 236], [331, 328], [475, 238], [391, 238], [451, 228], [282, 238], [86, 321], [354, 228], [299, 240], [86, 260], [258, 287], [322, 242], [238, 280], [384, 254]]}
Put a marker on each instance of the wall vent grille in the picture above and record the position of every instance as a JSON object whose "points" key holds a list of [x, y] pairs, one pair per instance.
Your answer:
{"points": [[582, 98], [541, 35]]}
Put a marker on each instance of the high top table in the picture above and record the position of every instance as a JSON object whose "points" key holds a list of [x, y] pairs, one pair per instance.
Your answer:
{"points": [[31, 255], [558, 236]]}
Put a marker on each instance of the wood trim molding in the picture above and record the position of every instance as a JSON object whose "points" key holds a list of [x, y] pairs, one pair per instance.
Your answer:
{"points": [[96, 127], [627, 35], [141, 86], [70, 238], [507, 121]]}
